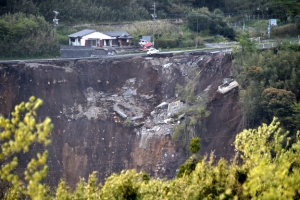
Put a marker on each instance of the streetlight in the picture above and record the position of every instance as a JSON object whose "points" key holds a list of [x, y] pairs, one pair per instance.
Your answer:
{"points": [[55, 22]]}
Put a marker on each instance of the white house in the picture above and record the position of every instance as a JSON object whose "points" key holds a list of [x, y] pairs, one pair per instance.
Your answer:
{"points": [[93, 38], [89, 37]]}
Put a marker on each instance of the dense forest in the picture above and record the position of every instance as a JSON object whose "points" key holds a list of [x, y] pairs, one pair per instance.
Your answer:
{"points": [[98, 11], [26, 26], [94, 11]]}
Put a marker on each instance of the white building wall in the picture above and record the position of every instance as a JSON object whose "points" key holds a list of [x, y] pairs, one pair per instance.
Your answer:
{"points": [[76, 43], [95, 36]]}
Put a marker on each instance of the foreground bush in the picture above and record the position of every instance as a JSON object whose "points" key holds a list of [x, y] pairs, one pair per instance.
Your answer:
{"points": [[269, 168]]}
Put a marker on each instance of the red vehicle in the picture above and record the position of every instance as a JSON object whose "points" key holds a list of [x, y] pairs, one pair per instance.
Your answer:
{"points": [[146, 46]]}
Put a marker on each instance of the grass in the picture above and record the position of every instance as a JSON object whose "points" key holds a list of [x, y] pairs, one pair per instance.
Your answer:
{"points": [[258, 24]]}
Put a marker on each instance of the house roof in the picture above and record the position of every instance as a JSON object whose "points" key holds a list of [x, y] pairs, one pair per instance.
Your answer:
{"points": [[119, 34], [82, 33]]}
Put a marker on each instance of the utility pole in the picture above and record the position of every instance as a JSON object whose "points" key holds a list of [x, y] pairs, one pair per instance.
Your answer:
{"points": [[153, 16], [269, 30], [197, 34], [55, 22]]}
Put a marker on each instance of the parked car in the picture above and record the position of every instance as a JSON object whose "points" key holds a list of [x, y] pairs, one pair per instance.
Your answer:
{"points": [[152, 51], [142, 42], [144, 49]]}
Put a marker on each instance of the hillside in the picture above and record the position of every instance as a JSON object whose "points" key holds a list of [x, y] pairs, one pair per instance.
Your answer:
{"points": [[87, 101]]}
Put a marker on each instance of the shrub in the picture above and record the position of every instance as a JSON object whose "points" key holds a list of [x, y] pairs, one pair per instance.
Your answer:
{"points": [[128, 123], [194, 145], [166, 43], [286, 30], [24, 35], [187, 167]]}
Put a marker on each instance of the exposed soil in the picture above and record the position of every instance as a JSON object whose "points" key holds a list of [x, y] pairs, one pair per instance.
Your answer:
{"points": [[89, 100]]}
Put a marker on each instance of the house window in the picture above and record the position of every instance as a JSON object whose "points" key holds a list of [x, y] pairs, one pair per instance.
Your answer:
{"points": [[72, 39]]}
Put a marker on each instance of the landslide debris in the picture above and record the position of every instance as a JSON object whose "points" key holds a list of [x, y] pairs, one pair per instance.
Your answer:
{"points": [[115, 114]]}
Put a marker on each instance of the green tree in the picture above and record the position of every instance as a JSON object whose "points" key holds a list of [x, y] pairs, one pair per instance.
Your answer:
{"points": [[262, 70], [194, 145], [84, 190], [293, 119], [23, 35], [124, 186], [18, 134], [271, 161], [278, 102], [246, 45], [203, 20], [187, 167]]}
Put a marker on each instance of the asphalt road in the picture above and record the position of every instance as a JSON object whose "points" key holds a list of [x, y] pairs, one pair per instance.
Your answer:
{"points": [[214, 48]]}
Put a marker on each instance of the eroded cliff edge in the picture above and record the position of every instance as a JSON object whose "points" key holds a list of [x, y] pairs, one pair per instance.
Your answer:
{"points": [[89, 100]]}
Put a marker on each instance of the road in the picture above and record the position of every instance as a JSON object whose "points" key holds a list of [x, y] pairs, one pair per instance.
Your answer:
{"points": [[213, 48]]}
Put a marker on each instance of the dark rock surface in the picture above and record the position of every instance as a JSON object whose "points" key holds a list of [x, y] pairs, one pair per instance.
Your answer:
{"points": [[88, 101]]}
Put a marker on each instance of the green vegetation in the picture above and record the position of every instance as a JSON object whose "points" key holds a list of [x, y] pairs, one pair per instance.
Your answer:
{"points": [[268, 169], [193, 122], [18, 134], [26, 29], [26, 36], [269, 85], [203, 20], [194, 145], [263, 154], [287, 30], [128, 123], [190, 164], [187, 167], [267, 163]]}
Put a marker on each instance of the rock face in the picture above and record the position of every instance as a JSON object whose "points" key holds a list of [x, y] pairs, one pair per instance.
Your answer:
{"points": [[114, 114]]}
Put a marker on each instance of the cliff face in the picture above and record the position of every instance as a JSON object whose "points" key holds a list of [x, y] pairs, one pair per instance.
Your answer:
{"points": [[90, 100]]}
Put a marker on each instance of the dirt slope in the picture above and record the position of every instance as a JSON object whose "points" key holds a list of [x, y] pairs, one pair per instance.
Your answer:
{"points": [[89, 100]]}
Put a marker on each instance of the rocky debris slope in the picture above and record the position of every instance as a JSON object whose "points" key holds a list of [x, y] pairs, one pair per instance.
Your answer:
{"points": [[114, 114]]}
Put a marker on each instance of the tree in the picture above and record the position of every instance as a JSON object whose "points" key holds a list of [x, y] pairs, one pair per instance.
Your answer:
{"points": [[84, 190], [194, 145], [202, 19], [18, 134], [246, 45], [24, 35], [262, 70], [271, 161], [284, 9], [278, 102]]}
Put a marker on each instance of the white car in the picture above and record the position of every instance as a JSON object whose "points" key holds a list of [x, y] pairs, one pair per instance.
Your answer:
{"points": [[152, 51]]}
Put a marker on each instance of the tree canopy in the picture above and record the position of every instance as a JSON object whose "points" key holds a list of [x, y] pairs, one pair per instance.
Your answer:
{"points": [[24, 35], [270, 85]]}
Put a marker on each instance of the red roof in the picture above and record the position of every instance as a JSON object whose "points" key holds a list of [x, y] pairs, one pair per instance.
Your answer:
{"points": [[149, 44]]}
